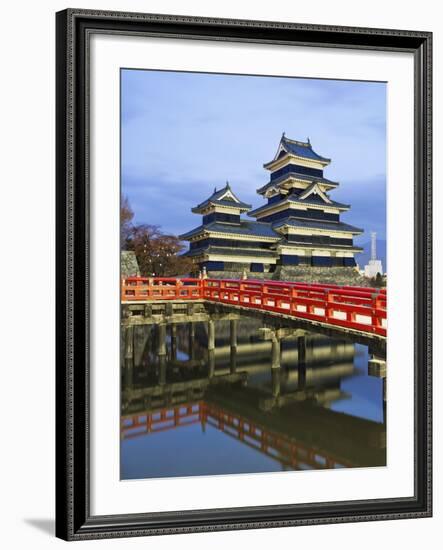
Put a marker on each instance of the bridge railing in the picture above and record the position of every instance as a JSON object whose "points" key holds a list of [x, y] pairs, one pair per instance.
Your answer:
{"points": [[160, 288], [358, 308]]}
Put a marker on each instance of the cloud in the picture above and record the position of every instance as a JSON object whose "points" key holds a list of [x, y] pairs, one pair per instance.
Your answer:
{"points": [[184, 133]]}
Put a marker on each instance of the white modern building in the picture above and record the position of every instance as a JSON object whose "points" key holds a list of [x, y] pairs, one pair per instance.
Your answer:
{"points": [[374, 266]]}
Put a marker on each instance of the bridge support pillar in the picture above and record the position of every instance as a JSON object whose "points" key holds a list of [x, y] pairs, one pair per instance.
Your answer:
{"points": [[233, 339], [377, 368], [191, 328], [129, 356], [161, 339], [174, 341], [233, 360], [301, 367], [211, 363], [162, 370], [276, 382], [233, 332], [141, 341], [161, 352], [275, 336], [211, 335], [276, 352]]}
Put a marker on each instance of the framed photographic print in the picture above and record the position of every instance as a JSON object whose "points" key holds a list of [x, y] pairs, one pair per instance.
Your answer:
{"points": [[243, 274]]}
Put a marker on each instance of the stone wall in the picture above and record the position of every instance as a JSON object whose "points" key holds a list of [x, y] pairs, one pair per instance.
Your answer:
{"points": [[129, 264], [309, 274], [305, 274], [238, 275]]}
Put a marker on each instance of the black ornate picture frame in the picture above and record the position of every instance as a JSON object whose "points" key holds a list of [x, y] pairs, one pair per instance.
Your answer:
{"points": [[74, 30]]}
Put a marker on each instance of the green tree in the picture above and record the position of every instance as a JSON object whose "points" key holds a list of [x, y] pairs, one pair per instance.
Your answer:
{"points": [[378, 280]]}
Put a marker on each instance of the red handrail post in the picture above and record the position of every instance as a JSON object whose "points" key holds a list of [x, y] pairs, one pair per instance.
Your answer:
{"points": [[265, 291], [293, 299], [202, 284], [328, 305]]}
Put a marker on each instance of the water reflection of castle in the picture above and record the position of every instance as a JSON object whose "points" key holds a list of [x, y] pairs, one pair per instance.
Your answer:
{"points": [[280, 410]]}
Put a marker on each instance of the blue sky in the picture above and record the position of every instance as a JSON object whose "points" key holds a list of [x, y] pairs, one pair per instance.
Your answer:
{"points": [[185, 133]]}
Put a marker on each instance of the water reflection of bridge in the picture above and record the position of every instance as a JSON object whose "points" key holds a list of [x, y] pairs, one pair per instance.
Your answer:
{"points": [[300, 435], [271, 389], [283, 448]]}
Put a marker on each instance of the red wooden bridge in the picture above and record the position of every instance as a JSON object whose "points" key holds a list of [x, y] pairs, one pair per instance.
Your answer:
{"points": [[355, 308]]}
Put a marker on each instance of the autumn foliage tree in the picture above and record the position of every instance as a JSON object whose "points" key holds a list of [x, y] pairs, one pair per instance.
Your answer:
{"points": [[157, 254]]}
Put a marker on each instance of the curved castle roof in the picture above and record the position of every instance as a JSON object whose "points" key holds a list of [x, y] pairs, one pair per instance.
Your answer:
{"points": [[297, 148], [222, 197]]}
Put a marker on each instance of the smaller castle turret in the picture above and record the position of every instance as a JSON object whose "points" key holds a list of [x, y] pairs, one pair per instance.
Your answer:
{"points": [[226, 242]]}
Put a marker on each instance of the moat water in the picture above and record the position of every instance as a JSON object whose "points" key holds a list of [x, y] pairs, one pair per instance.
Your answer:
{"points": [[192, 411]]}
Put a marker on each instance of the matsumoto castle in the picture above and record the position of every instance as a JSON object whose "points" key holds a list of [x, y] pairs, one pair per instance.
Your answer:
{"points": [[297, 228]]}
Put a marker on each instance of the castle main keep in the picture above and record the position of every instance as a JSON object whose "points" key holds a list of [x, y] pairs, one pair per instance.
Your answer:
{"points": [[297, 231]]}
